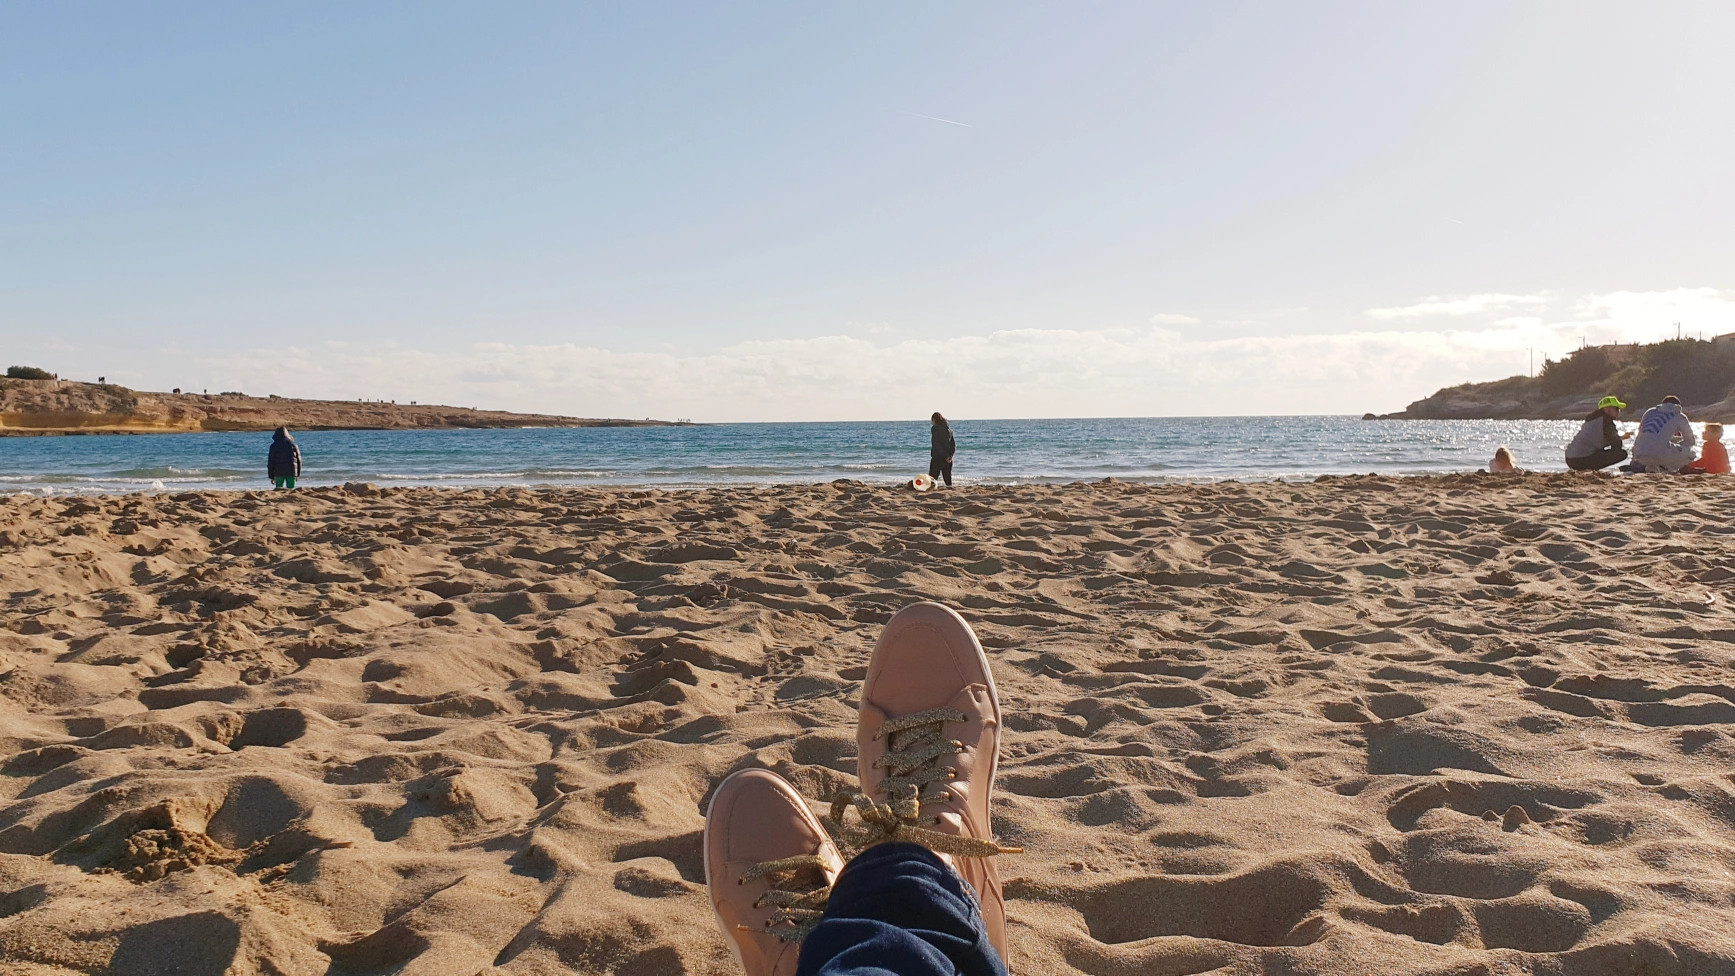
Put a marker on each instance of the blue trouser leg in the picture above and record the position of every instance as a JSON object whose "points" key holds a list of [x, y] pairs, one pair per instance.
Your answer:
{"points": [[897, 910]]}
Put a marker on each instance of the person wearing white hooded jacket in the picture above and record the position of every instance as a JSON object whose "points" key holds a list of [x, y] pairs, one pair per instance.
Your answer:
{"points": [[1665, 440]]}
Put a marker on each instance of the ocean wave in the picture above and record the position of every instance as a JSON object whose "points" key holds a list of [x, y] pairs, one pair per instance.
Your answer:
{"points": [[135, 476], [44, 479], [565, 473], [443, 475], [180, 474], [730, 470], [436, 476]]}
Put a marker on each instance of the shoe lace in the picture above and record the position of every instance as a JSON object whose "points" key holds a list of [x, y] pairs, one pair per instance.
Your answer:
{"points": [[799, 887], [797, 892], [915, 776]]}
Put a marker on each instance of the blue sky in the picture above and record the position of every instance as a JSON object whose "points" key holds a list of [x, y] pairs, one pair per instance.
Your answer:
{"points": [[754, 214]]}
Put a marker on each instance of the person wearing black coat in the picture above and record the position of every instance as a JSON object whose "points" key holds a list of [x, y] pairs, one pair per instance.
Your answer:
{"points": [[283, 462], [941, 447]]}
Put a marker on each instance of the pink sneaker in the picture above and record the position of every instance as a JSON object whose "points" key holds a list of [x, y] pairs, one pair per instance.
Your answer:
{"points": [[928, 743], [769, 865]]}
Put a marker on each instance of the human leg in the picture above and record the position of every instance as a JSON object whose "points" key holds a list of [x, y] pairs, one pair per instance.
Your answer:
{"points": [[277, 484], [1606, 457], [934, 468], [928, 744], [898, 909], [922, 898], [927, 748], [946, 469]]}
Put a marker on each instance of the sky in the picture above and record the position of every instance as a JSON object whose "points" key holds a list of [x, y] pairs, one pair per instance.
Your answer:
{"points": [[799, 211]]}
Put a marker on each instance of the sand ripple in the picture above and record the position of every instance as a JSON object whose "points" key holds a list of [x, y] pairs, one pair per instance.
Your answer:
{"points": [[1443, 726]]}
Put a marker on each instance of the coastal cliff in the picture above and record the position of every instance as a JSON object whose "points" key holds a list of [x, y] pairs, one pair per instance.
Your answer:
{"points": [[64, 407], [1701, 373]]}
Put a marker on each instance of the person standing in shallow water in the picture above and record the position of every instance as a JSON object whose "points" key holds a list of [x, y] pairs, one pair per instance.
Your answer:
{"points": [[283, 462], [942, 446]]}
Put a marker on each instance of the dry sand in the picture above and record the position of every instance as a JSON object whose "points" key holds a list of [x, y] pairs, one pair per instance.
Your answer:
{"points": [[1462, 725]]}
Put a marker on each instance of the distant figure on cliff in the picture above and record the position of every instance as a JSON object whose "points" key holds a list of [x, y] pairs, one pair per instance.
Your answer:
{"points": [[1665, 441], [941, 447], [1598, 444], [283, 462]]}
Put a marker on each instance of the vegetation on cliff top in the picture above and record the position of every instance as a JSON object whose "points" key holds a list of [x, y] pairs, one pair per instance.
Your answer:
{"points": [[1692, 369], [1700, 372]]}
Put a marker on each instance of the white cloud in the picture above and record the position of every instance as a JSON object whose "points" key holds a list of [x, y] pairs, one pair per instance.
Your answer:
{"points": [[1650, 315], [1142, 370], [1169, 318], [1019, 373], [1468, 305]]}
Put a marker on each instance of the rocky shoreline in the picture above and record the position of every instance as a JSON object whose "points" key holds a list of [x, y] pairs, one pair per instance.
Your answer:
{"points": [[1478, 402], [1701, 373], [51, 407]]}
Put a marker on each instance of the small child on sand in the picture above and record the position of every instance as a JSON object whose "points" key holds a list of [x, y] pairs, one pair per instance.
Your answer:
{"points": [[1502, 463], [1714, 458]]}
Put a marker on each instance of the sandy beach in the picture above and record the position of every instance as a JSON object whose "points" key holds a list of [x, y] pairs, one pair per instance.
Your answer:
{"points": [[1457, 725]]}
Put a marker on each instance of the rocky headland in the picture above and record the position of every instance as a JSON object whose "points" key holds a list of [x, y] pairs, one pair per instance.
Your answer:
{"points": [[64, 407], [1701, 373]]}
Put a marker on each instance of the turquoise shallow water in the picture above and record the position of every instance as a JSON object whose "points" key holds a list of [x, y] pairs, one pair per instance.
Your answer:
{"points": [[1148, 449]]}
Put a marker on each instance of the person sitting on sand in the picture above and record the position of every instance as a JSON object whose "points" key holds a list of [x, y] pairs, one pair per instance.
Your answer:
{"points": [[920, 894], [1665, 440], [941, 447], [1714, 459], [1598, 444], [283, 461], [1502, 463]]}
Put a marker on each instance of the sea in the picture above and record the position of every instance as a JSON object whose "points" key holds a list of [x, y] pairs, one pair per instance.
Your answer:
{"points": [[1163, 449]]}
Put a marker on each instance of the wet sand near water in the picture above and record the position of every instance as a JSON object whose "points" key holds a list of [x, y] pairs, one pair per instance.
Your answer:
{"points": [[1459, 725]]}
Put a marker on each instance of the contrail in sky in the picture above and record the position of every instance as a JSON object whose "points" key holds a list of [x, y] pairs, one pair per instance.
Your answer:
{"points": [[931, 118]]}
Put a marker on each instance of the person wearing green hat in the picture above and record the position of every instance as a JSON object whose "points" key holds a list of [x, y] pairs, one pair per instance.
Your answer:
{"points": [[1598, 444]]}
